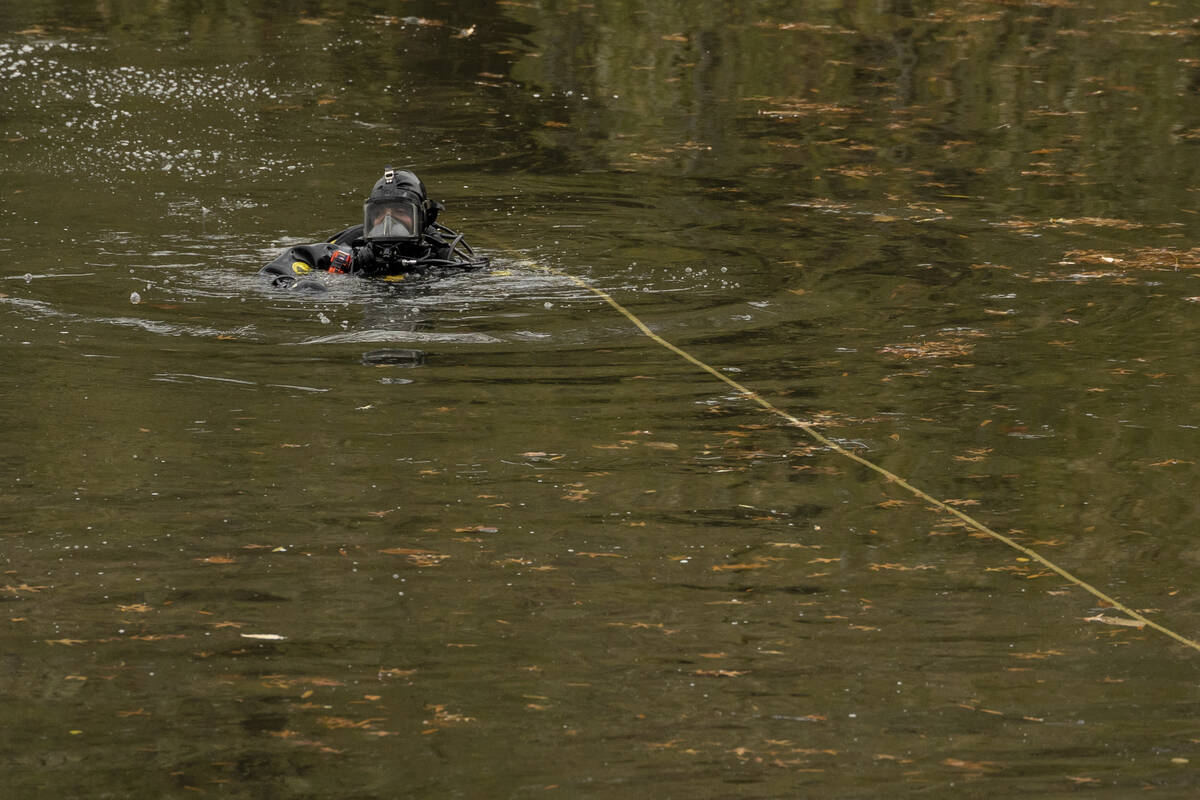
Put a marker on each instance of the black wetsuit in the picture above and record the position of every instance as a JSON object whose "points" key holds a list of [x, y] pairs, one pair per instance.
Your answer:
{"points": [[433, 253]]}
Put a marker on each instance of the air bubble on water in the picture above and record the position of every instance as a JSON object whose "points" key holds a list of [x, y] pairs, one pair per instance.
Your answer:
{"points": [[324, 319], [28, 277], [135, 298], [548, 305]]}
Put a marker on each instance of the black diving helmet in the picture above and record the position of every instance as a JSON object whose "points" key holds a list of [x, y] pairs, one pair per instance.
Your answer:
{"points": [[397, 210]]}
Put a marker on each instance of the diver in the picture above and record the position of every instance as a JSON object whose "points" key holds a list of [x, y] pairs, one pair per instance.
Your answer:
{"points": [[399, 237]]}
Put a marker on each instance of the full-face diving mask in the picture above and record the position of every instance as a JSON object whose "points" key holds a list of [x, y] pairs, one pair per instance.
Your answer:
{"points": [[391, 220], [394, 213]]}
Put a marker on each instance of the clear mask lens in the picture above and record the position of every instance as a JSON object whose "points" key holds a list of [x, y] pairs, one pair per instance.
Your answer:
{"points": [[391, 220]]}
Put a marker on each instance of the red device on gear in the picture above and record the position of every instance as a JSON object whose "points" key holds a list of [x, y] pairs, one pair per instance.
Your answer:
{"points": [[341, 260]]}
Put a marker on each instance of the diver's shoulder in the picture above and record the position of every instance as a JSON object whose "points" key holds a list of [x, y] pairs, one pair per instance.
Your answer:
{"points": [[348, 235]]}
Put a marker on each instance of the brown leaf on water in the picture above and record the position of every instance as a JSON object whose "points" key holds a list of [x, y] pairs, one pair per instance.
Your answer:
{"points": [[1037, 655], [538, 455], [344, 722], [722, 673], [974, 766], [674, 37], [1009, 568], [66, 642], [405, 551], [826, 470], [899, 567], [283, 682], [293, 738], [951, 347], [149, 637], [1171, 462], [395, 672], [657, 626], [23, 587], [1141, 258], [427, 560], [1098, 222], [739, 567], [139, 608], [478, 529], [141, 712], [217, 560], [601, 555], [443, 717]]}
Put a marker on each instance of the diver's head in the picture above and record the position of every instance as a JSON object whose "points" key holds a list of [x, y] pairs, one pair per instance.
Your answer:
{"points": [[396, 212]]}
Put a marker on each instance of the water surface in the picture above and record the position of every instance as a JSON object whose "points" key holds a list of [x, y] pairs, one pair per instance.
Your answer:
{"points": [[479, 537]]}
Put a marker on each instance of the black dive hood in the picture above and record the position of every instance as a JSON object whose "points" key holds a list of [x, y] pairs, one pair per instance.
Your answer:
{"points": [[397, 211]]}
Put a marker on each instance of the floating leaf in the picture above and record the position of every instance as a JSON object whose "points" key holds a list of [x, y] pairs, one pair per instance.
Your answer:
{"points": [[394, 672], [975, 766]]}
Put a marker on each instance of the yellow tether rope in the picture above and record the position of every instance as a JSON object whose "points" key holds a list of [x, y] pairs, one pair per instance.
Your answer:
{"points": [[811, 430]]}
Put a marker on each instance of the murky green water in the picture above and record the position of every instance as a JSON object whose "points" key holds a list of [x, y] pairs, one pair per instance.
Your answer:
{"points": [[249, 551]]}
